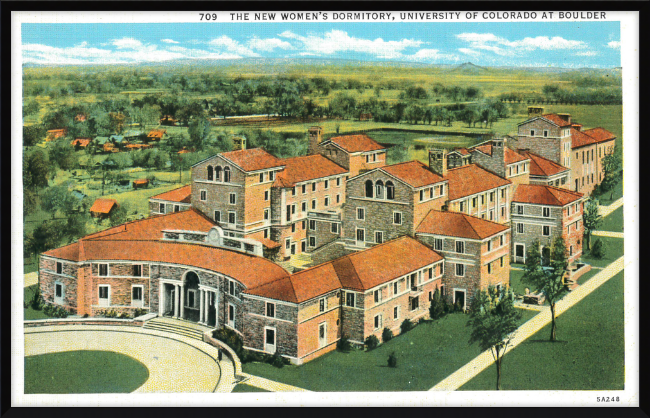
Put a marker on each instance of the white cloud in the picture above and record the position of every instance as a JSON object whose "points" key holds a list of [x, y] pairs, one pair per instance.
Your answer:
{"points": [[468, 51], [268, 44], [127, 43], [546, 43], [502, 46], [339, 41], [230, 45], [587, 53], [614, 44], [169, 41]]}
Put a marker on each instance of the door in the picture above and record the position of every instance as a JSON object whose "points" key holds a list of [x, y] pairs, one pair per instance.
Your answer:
{"points": [[303, 246], [459, 297], [293, 249], [104, 296], [231, 316], [361, 237], [136, 296], [269, 340], [322, 334], [519, 253]]}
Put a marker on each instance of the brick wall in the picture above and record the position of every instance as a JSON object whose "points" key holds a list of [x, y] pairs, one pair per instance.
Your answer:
{"points": [[479, 205], [284, 323]]}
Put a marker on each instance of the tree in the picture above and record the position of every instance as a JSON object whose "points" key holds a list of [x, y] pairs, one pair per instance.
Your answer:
{"points": [[437, 308], [599, 249], [548, 280], [612, 165], [591, 219], [58, 198], [118, 215], [30, 202], [33, 134], [198, 131], [35, 170], [63, 155], [45, 236], [494, 320], [30, 107]]}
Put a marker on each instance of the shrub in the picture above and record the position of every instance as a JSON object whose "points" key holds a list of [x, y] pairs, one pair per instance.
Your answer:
{"points": [[55, 311], [110, 314], [406, 326], [599, 249], [392, 360], [343, 344], [231, 339], [372, 342], [139, 312], [386, 335], [438, 306], [37, 301], [458, 307], [124, 315], [277, 361], [86, 315]]}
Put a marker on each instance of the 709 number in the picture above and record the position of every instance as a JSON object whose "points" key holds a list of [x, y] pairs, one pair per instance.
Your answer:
{"points": [[208, 16]]}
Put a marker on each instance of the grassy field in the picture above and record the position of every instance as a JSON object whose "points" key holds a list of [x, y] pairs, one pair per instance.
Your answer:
{"points": [[589, 356], [614, 249], [244, 388], [613, 222], [425, 356], [618, 193], [83, 372]]}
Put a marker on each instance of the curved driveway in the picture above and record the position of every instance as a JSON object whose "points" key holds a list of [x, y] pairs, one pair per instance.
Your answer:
{"points": [[175, 363]]}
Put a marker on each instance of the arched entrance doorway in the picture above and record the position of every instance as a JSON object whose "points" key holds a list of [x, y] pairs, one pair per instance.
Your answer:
{"points": [[191, 299]]}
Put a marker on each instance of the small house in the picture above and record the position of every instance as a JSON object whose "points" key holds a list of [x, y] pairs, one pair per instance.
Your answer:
{"points": [[140, 183], [80, 118], [102, 208], [156, 134], [79, 143], [53, 134]]}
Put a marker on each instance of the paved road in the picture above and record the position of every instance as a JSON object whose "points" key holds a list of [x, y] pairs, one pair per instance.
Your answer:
{"points": [[606, 210], [175, 363], [485, 359]]}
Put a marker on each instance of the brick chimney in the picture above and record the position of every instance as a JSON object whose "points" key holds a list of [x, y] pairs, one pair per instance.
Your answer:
{"points": [[499, 156], [438, 161], [565, 116], [576, 126], [315, 138]]}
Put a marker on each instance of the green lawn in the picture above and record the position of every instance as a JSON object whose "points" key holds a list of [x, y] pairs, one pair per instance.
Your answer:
{"points": [[589, 356], [614, 250], [613, 222], [425, 356], [243, 387], [29, 312], [83, 372], [605, 200]]}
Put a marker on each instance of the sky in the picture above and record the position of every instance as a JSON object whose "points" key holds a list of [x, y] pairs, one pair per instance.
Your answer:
{"points": [[527, 44]]}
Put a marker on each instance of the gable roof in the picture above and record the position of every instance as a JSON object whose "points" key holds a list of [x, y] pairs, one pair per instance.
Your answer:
{"points": [[454, 224], [545, 195], [510, 156], [252, 159], [103, 205], [540, 166], [182, 195], [304, 168], [413, 173], [556, 119], [600, 134], [472, 179], [355, 143], [156, 133], [580, 139], [82, 142]]}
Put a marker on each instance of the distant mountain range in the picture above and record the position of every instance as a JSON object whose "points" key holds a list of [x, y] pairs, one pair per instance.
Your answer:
{"points": [[282, 64]]}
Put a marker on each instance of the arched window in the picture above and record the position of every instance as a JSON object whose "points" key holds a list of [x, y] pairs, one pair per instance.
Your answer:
{"points": [[210, 173], [217, 173], [390, 190], [369, 188], [379, 189], [226, 174]]}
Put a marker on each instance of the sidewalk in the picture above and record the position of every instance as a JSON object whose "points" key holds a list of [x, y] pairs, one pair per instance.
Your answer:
{"points": [[270, 385], [485, 359], [608, 234], [606, 210], [31, 279]]}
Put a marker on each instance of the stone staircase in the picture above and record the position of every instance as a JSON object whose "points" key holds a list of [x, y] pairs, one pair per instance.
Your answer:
{"points": [[177, 326]]}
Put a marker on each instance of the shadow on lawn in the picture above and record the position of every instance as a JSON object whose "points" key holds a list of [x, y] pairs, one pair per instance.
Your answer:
{"points": [[548, 341]]}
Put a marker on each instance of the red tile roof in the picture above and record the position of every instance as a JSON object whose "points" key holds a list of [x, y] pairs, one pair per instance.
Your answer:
{"points": [[472, 179], [540, 166], [414, 173], [298, 169], [580, 139], [556, 119], [544, 195], [356, 143], [600, 134], [82, 142], [156, 133], [181, 195], [510, 156], [141, 181], [454, 224], [252, 159], [103, 205]]}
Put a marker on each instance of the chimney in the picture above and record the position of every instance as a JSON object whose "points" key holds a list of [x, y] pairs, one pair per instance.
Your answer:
{"points": [[315, 138], [576, 126], [535, 111], [438, 161], [565, 116], [499, 156]]}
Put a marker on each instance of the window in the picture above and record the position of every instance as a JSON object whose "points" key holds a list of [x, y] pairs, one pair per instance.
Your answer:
{"points": [[327, 184], [502, 239], [361, 235], [462, 206], [226, 174], [162, 208], [474, 201], [437, 244], [571, 250], [492, 197], [177, 208], [261, 177], [349, 299], [430, 273], [271, 175], [270, 336], [422, 196], [266, 195], [369, 188], [313, 187], [390, 191], [231, 288], [303, 206], [304, 188], [217, 216], [379, 189], [396, 312], [59, 267], [270, 310], [379, 237], [327, 201], [304, 225], [460, 247], [58, 293], [460, 270], [503, 193], [293, 227], [545, 133], [312, 225], [520, 228], [338, 181], [546, 231], [210, 173], [397, 218], [136, 295], [104, 295], [233, 198], [415, 303], [335, 228], [204, 195], [338, 198], [217, 173], [361, 214], [377, 296], [312, 241], [103, 269], [482, 199], [378, 321], [266, 233], [489, 268], [489, 245], [266, 214], [520, 209], [313, 204], [232, 217], [532, 132], [546, 212], [322, 305], [137, 270], [287, 243], [395, 288]]}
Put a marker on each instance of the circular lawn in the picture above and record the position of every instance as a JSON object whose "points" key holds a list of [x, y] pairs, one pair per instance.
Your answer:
{"points": [[83, 372]]}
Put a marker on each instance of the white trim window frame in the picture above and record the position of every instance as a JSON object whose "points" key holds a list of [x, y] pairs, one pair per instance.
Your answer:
{"points": [[99, 269], [138, 303], [104, 295], [203, 195], [59, 292], [400, 218], [460, 270]]}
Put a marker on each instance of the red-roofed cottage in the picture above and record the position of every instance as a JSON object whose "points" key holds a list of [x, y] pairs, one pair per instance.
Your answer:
{"points": [[102, 208]]}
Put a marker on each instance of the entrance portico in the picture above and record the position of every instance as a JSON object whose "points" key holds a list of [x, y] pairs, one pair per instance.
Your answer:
{"points": [[188, 300]]}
